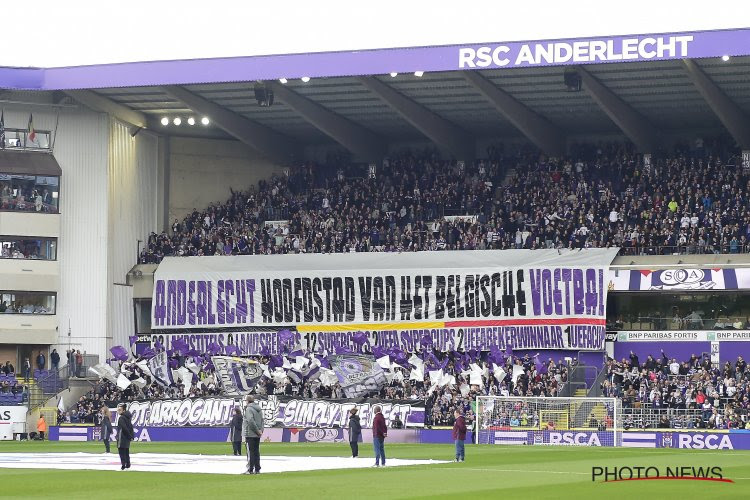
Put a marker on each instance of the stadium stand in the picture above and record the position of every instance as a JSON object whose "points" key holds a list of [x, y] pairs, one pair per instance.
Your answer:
{"points": [[667, 393], [691, 201]]}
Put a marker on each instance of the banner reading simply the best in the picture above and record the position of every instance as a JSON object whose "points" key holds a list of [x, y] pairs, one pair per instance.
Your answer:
{"points": [[551, 299]]}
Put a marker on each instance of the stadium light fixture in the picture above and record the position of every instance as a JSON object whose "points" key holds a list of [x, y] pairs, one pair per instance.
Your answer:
{"points": [[305, 79], [165, 121], [725, 58], [204, 120], [191, 121], [394, 74], [177, 121], [419, 73], [282, 80]]}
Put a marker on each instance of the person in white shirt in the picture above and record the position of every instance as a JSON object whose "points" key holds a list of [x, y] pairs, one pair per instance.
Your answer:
{"points": [[685, 221], [674, 367]]}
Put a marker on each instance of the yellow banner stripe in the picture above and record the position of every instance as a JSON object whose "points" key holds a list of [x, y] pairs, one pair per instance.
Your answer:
{"points": [[353, 327]]}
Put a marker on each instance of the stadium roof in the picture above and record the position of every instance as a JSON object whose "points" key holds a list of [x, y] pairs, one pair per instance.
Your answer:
{"points": [[367, 100], [661, 91]]}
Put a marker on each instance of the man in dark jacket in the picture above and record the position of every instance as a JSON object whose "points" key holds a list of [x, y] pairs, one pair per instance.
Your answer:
{"points": [[106, 427], [41, 361], [235, 432], [355, 431], [55, 359], [459, 435], [379, 433], [125, 435]]}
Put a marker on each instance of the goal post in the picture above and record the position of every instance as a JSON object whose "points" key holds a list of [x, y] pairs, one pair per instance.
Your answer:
{"points": [[548, 421]]}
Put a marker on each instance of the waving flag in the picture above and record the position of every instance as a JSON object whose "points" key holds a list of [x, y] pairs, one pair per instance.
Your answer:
{"points": [[31, 133], [159, 368], [238, 376], [359, 375], [119, 353]]}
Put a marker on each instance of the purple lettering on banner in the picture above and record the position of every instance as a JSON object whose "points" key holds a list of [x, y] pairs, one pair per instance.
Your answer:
{"points": [[578, 293], [202, 299], [191, 303], [220, 306], [181, 293], [229, 293], [535, 279], [159, 306], [547, 291], [171, 302], [556, 293], [209, 301], [591, 292]]}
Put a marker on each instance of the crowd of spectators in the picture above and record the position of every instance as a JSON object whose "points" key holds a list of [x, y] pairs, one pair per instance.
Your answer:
{"points": [[27, 197], [457, 388], [689, 201], [12, 391], [719, 397]]}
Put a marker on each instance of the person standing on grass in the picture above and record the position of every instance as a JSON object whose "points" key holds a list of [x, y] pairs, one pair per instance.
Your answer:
{"points": [[459, 435], [252, 430], [106, 427], [125, 435], [379, 433], [41, 426], [235, 432], [355, 431]]}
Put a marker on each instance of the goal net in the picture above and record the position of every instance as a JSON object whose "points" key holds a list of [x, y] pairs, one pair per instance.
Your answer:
{"points": [[548, 421]]}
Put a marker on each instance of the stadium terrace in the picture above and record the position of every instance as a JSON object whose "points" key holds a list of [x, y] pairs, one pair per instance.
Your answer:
{"points": [[589, 51]]}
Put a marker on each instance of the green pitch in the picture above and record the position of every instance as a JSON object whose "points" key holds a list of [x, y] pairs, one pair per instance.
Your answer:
{"points": [[489, 472]]}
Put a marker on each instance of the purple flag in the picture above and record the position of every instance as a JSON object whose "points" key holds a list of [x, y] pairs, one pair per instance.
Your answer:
{"points": [[426, 340], [285, 336], [133, 339], [148, 353], [119, 353], [231, 350], [276, 361], [180, 347], [379, 352], [158, 346], [360, 338], [213, 349]]}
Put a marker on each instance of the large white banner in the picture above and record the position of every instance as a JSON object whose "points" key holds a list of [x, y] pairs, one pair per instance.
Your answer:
{"points": [[556, 298]]}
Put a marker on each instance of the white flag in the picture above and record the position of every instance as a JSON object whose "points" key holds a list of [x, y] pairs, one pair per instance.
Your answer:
{"points": [[498, 372], [123, 382], [384, 362], [517, 371]]}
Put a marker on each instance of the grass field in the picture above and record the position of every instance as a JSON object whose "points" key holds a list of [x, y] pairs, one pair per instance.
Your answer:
{"points": [[489, 472]]}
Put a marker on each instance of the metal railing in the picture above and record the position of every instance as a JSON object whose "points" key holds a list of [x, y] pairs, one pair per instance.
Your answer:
{"points": [[646, 417], [727, 248]]}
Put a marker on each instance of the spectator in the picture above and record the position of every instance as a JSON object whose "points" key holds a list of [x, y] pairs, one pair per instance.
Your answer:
{"points": [[26, 369], [379, 433], [40, 361], [459, 435], [355, 432], [55, 359]]}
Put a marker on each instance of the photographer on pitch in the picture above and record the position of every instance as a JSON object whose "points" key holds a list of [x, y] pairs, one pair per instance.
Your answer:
{"points": [[252, 430]]}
